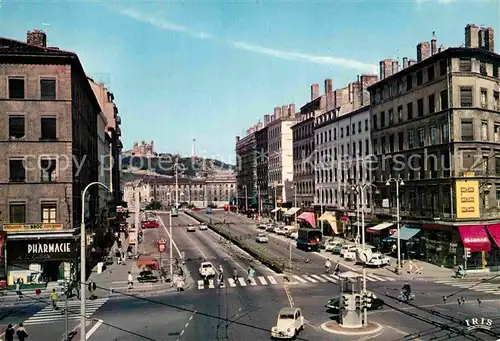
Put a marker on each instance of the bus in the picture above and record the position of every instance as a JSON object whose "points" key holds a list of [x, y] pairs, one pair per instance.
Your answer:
{"points": [[308, 239], [175, 212]]}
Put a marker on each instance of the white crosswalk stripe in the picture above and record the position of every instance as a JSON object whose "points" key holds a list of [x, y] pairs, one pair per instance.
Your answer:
{"points": [[488, 288], [303, 279], [49, 315]]}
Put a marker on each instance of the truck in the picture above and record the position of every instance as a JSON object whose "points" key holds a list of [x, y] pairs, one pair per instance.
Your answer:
{"points": [[309, 239]]}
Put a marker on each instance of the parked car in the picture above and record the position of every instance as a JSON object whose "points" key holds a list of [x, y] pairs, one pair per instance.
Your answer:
{"points": [[270, 227], [331, 244], [196, 209], [262, 238], [294, 235], [350, 255], [150, 224], [347, 248], [206, 269], [203, 227], [334, 303], [191, 228], [290, 323], [336, 249], [261, 227], [378, 260]]}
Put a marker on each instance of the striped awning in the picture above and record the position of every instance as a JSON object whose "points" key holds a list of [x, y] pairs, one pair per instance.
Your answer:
{"points": [[330, 218]]}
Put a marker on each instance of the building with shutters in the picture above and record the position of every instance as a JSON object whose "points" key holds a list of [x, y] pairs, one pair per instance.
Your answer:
{"points": [[435, 125], [49, 154]]}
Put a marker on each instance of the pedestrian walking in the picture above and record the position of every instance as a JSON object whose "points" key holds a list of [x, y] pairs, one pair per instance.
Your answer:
{"points": [[92, 289], [18, 290], [53, 299], [235, 274], [9, 333], [130, 280], [21, 332]]}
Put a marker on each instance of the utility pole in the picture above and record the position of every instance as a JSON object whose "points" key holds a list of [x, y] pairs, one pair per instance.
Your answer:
{"points": [[362, 189], [66, 312], [170, 251], [176, 184], [137, 217], [259, 201], [246, 198]]}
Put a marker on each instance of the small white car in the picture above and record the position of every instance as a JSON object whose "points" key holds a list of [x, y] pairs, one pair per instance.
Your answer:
{"points": [[203, 227], [294, 235], [331, 245], [191, 228], [350, 255], [262, 238], [347, 248], [290, 323], [378, 260], [261, 226], [206, 269]]}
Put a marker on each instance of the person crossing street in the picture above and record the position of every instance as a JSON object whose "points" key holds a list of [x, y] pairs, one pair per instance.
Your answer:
{"points": [[53, 299]]}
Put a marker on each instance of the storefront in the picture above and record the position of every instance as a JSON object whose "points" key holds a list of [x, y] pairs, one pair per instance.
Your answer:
{"points": [[35, 259], [291, 215]]}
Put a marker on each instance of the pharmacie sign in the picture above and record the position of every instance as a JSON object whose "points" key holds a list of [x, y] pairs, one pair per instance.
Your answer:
{"points": [[40, 250]]}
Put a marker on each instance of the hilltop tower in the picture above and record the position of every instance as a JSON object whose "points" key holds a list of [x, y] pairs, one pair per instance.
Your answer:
{"points": [[194, 148]]}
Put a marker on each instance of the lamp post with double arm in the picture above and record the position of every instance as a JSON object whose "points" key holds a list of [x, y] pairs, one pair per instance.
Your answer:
{"points": [[398, 182]]}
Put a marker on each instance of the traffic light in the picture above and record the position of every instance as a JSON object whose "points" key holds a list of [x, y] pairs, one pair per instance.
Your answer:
{"points": [[367, 300], [467, 253], [344, 303], [357, 300]]}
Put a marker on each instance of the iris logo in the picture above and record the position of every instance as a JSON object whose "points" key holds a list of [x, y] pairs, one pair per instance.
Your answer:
{"points": [[478, 323]]}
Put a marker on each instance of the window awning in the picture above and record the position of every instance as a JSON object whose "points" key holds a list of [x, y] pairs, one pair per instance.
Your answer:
{"points": [[406, 233], [276, 210], [380, 227], [475, 237], [331, 220], [292, 211], [308, 217], [494, 230]]}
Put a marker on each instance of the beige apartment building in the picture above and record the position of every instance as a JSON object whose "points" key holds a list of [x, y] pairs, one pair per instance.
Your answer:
{"points": [[436, 126], [48, 155]]}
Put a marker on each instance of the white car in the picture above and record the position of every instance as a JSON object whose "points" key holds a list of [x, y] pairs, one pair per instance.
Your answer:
{"points": [[261, 226], [290, 323], [294, 235], [203, 227], [331, 245], [350, 255], [347, 248], [191, 228], [262, 238], [378, 260], [206, 269]]}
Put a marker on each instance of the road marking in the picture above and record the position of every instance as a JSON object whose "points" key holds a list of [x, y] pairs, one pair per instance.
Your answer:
{"points": [[310, 279], [370, 279], [186, 325], [169, 236], [272, 280], [377, 278], [299, 278], [288, 295], [329, 278], [321, 279], [200, 285], [252, 281], [262, 280], [232, 284], [242, 281], [93, 329], [211, 283]]}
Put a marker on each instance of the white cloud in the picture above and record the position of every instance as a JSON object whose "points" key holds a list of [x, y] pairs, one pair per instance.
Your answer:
{"points": [[163, 24], [287, 55]]}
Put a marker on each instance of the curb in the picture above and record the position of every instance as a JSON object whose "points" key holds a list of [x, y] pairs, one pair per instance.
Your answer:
{"points": [[345, 331]]}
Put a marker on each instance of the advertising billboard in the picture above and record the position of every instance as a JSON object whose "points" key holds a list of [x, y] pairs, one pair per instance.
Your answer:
{"points": [[467, 199]]}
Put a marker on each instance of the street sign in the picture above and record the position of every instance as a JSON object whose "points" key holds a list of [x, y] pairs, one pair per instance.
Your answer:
{"points": [[162, 245]]}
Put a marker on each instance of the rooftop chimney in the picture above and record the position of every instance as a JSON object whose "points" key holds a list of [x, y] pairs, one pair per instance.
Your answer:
{"points": [[405, 62], [433, 44], [395, 66], [423, 51], [284, 111], [412, 62], [267, 119], [441, 48], [328, 85], [314, 91], [471, 36], [37, 38], [366, 81], [386, 68], [237, 139], [277, 113], [486, 39], [291, 110]]}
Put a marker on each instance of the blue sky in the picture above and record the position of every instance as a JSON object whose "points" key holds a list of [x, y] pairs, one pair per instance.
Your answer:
{"points": [[210, 69]]}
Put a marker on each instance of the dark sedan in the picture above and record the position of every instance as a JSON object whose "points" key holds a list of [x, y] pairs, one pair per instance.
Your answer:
{"points": [[333, 304]]}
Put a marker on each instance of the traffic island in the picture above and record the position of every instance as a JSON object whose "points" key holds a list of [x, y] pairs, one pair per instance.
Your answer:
{"points": [[336, 328]]}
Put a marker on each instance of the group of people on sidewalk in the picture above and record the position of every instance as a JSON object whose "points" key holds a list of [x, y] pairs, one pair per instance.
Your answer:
{"points": [[10, 332]]}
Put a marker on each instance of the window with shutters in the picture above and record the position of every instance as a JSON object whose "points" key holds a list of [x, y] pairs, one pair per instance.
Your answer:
{"points": [[367, 147], [482, 69], [432, 104], [409, 109], [465, 65], [466, 97], [496, 100], [409, 82], [432, 134], [48, 89], [17, 212], [497, 164], [444, 131], [468, 160], [442, 67], [47, 170], [421, 137], [49, 128], [467, 131], [430, 73], [353, 130], [420, 107], [17, 128], [495, 71], [420, 77], [484, 130], [382, 119], [374, 120], [16, 88], [391, 143], [359, 127], [484, 98], [366, 125], [17, 172], [391, 117], [444, 99], [382, 144], [400, 141], [400, 114], [411, 139], [49, 212]]}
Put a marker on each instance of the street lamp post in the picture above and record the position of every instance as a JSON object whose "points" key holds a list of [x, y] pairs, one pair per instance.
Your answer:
{"points": [[398, 182], [246, 197], [83, 262], [276, 202], [294, 187]]}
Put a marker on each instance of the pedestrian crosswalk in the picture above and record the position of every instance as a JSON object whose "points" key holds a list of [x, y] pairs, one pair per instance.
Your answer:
{"points": [[241, 282], [49, 315], [486, 287]]}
